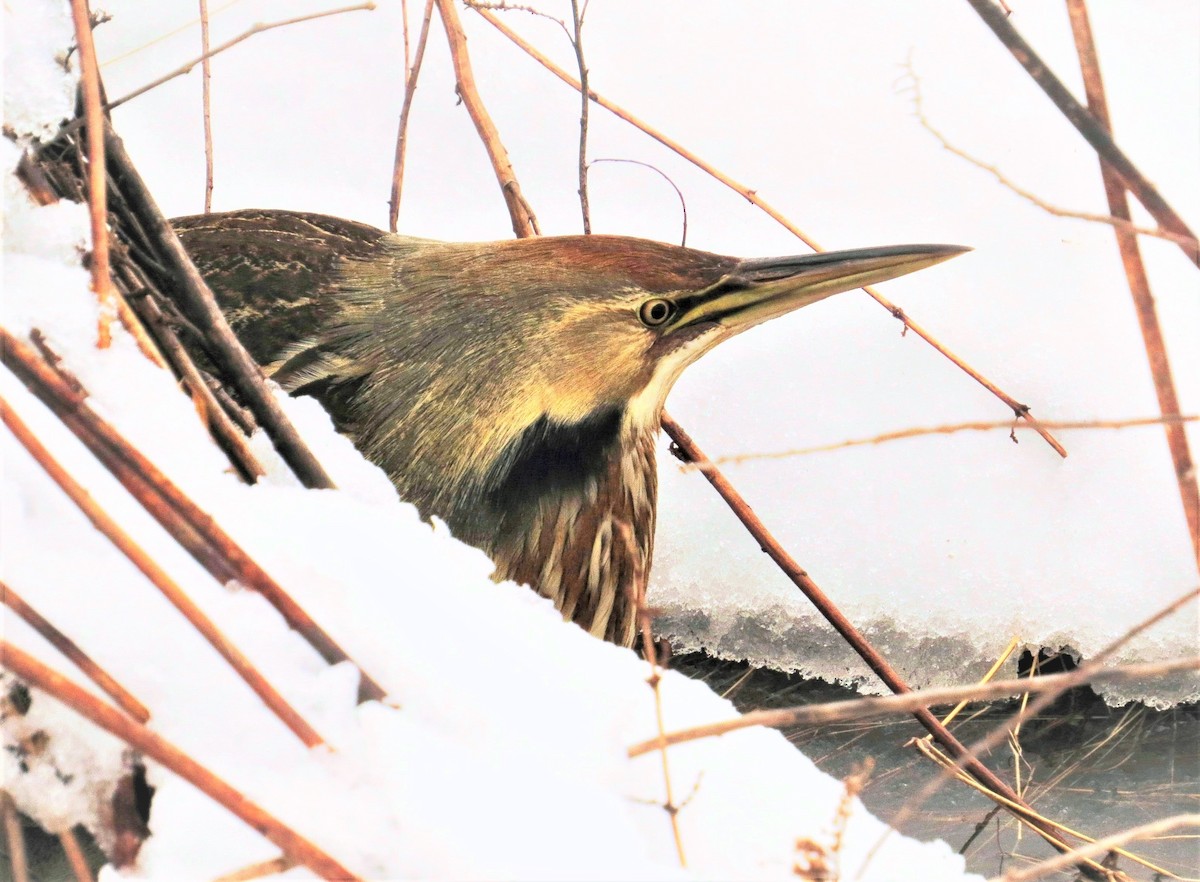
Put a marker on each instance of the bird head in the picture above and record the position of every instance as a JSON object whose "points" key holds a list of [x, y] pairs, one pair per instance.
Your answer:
{"points": [[478, 360]]}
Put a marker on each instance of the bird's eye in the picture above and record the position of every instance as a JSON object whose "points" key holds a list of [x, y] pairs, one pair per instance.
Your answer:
{"points": [[654, 312]]}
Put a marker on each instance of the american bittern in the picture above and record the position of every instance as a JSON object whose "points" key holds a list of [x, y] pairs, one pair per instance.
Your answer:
{"points": [[513, 389]]}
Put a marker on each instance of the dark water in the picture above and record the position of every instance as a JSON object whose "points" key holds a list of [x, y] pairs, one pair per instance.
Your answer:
{"points": [[1098, 770]]}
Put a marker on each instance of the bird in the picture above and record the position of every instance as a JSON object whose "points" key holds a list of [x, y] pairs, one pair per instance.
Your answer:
{"points": [[512, 389]]}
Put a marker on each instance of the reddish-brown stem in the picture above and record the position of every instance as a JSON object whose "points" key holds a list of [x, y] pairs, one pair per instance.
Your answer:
{"points": [[1021, 410], [77, 656], [1139, 283], [159, 578], [15, 836], [192, 527], [75, 855], [524, 222], [160, 750], [97, 191], [1093, 130], [841, 624], [410, 88]]}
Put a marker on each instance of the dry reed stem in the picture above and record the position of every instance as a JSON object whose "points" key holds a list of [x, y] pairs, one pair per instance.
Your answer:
{"points": [[410, 87], [206, 100], [162, 751], [999, 733], [1093, 131], [193, 297], [584, 106], [159, 578], [524, 222], [1139, 283], [272, 867], [950, 429], [867, 652], [1099, 847], [871, 708], [987, 678], [75, 855], [259, 28], [637, 591], [97, 193], [1113, 220], [187, 523], [15, 837], [1020, 410], [77, 656]]}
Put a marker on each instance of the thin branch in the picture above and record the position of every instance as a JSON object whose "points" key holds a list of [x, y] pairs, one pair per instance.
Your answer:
{"points": [[1093, 131], [256, 29], [872, 708], [410, 87], [162, 751], [196, 301], [1113, 219], [206, 80], [982, 745], [636, 589], [77, 656], [952, 428], [272, 867], [159, 578], [75, 855], [187, 523], [584, 105], [524, 222], [874, 659], [1139, 283], [1099, 847], [97, 208], [667, 178], [15, 836], [1021, 410]]}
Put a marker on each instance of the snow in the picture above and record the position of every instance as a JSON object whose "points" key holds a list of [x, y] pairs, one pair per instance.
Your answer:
{"points": [[944, 547], [501, 750]]}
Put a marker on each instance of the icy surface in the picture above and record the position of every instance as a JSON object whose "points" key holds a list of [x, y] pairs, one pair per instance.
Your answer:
{"points": [[504, 753], [945, 547]]}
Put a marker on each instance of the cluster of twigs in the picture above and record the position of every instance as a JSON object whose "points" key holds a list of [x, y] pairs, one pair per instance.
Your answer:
{"points": [[150, 283]]}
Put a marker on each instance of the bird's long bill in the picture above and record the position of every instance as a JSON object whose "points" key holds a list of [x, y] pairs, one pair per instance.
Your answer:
{"points": [[762, 288]]}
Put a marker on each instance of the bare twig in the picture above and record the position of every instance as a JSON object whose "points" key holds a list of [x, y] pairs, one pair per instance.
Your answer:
{"points": [[206, 80], [950, 429], [15, 836], [1113, 219], [1099, 847], [160, 750], [97, 194], [192, 527], [77, 656], [1021, 410], [836, 618], [871, 708], [666, 177], [159, 578], [75, 855], [272, 867], [636, 589], [410, 87], [198, 304], [524, 222], [584, 105], [1087, 125], [256, 29], [1139, 283]]}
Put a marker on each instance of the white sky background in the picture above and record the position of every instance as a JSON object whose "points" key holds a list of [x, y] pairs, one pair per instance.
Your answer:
{"points": [[969, 536]]}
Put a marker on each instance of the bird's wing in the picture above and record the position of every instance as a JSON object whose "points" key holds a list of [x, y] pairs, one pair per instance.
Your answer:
{"points": [[276, 276]]}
